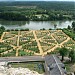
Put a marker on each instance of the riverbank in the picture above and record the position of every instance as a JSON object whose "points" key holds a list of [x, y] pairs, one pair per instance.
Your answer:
{"points": [[35, 25]]}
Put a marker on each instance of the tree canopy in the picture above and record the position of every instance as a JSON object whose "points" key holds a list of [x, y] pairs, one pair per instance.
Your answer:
{"points": [[63, 52], [73, 26], [2, 29]]}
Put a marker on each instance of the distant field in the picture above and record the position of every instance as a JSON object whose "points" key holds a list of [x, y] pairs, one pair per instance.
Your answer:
{"points": [[52, 5], [34, 42], [21, 7]]}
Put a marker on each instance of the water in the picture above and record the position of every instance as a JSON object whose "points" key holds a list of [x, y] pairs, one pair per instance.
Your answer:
{"points": [[35, 25]]}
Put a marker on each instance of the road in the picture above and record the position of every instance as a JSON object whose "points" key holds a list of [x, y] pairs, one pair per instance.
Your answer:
{"points": [[21, 59]]}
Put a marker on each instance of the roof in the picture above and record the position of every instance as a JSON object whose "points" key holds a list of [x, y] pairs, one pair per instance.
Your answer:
{"points": [[56, 67]]}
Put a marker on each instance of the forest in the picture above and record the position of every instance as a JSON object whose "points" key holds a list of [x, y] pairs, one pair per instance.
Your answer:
{"points": [[37, 11]]}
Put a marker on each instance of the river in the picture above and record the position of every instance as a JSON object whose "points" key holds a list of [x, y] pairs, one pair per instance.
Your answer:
{"points": [[34, 25]]}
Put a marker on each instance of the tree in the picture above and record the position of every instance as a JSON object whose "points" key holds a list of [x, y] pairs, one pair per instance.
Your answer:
{"points": [[55, 26], [72, 55], [2, 29], [69, 27], [63, 52], [61, 17], [73, 26]]}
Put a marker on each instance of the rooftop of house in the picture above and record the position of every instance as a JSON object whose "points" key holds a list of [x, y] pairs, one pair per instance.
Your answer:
{"points": [[56, 67]]}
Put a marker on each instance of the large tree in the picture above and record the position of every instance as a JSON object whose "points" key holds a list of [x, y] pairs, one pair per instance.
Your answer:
{"points": [[63, 52]]}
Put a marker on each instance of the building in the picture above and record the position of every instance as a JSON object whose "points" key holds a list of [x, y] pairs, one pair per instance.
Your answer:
{"points": [[54, 66]]}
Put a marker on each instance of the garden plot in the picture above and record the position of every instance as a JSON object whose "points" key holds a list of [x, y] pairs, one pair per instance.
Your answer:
{"points": [[26, 37], [48, 39], [45, 46], [31, 46], [9, 54], [10, 34], [27, 34], [28, 42], [41, 33], [59, 36], [69, 44], [4, 47], [12, 41], [23, 52]]}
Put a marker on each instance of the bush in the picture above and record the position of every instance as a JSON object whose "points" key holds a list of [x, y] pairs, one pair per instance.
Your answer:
{"points": [[26, 29]]}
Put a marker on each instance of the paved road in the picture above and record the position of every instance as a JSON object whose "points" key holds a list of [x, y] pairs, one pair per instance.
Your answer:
{"points": [[21, 59]]}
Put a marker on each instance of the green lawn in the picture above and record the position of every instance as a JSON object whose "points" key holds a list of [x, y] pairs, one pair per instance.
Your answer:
{"points": [[36, 66]]}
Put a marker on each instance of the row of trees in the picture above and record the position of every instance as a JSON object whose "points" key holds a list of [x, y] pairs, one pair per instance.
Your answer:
{"points": [[23, 17], [13, 16]]}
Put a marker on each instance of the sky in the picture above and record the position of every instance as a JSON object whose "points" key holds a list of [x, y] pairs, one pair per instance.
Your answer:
{"points": [[37, 0]]}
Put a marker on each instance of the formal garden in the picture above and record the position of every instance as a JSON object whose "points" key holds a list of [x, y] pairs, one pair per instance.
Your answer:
{"points": [[33, 42]]}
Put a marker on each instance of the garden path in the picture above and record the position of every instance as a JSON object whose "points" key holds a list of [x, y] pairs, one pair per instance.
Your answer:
{"points": [[39, 46]]}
